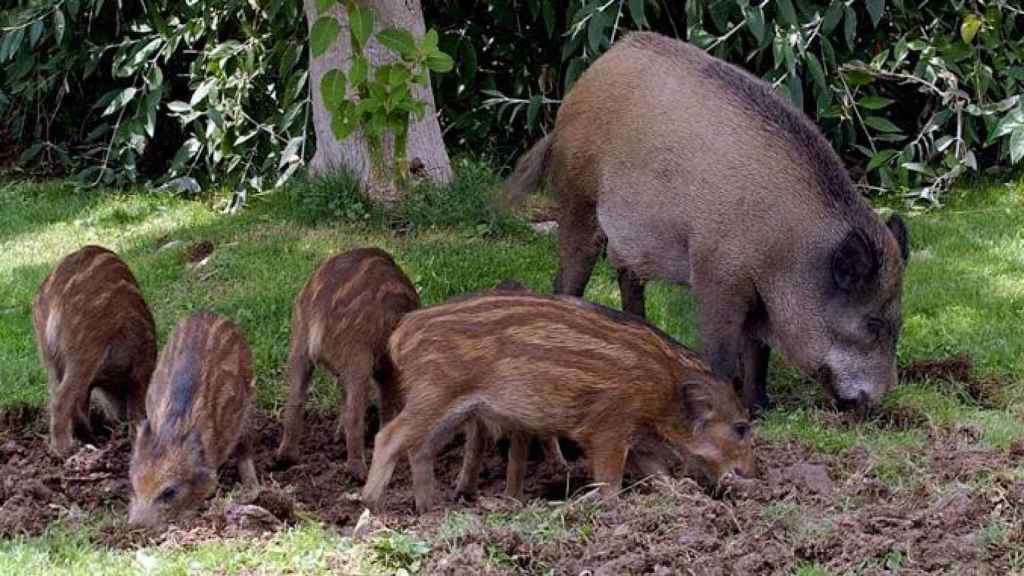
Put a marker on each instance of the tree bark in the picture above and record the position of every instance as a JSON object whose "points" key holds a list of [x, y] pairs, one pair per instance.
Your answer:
{"points": [[425, 143]]}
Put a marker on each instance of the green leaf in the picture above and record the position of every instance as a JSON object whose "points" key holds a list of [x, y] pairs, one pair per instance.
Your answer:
{"points": [[832, 16], [850, 27], [430, 41], [30, 154], [343, 123], [550, 19], [359, 71], [332, 89], [179, 107], [534, 109], [599, 23], [323, 5], [202, 92], [755, 21], [467, 65], [875, 102], [573, 71], [35, 33], [875, 9], [440, 62], [815, 70], [796, 92], [360, 23], [881, 124], [969, 28], [881, 157], [787, 13], [636, 11], [324, 33], [120, 101], [399, 40], [1017, 145], [59, 25]]}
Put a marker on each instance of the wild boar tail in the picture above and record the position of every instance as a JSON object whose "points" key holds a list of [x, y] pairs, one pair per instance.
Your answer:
{"points": [[529, 172]]}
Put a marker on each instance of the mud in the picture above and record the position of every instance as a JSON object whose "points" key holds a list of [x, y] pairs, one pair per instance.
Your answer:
{"points": [[805, 507]]}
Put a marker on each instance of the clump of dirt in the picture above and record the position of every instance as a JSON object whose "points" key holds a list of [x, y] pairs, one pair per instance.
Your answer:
{"points": [[900, 417], [953, 369], [198, 251], [804, 507], [987, 391]]}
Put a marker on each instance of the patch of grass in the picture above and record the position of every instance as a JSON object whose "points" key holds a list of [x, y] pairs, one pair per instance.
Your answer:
{"points": [[306, 549], [964, 293]]}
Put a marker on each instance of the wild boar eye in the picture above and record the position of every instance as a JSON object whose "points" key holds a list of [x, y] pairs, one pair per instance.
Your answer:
{"points": [[167, 495], [742, 430]]}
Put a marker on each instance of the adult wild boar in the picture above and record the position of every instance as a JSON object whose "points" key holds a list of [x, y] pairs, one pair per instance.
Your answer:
{"points": [[691, 170], [96, 337]]}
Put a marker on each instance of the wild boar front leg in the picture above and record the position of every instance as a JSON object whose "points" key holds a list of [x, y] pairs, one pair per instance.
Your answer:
{"points": [[357, 388], [553, 452], [300, 372], [755, 359], [608, 459], [246, 467], [515, 474], [387, 448]]}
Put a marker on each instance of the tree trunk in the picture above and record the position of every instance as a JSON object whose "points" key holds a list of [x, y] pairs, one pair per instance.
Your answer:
{"points": [[425, 143]]}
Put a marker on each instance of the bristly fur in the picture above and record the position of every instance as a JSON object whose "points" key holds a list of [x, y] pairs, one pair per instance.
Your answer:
{"points": [[93, 330], [341, 321]]}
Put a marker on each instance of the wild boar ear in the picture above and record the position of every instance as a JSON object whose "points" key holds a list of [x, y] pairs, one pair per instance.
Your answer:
{"points": [[899, 231], [855, 262], [697, 401]]}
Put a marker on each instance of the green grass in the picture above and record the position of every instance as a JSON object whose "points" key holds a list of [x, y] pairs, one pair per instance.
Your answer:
{"points": [[964, 292]]}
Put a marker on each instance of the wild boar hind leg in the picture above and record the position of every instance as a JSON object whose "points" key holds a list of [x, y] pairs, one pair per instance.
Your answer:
{"points": [[580, 243], [69, 409], [300, 373]]}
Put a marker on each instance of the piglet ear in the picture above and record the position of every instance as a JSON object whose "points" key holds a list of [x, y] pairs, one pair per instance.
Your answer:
{"points": [[697, 402]]}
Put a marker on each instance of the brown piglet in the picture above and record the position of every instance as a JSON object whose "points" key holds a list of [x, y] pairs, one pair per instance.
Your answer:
{"points": [[341, 321], [95, 336], [199, 409], [552, 366]]}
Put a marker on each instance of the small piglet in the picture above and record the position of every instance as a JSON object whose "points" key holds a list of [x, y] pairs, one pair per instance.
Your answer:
{"points": [[552, 366], [199, 407], [341, 320], [95, 336]]}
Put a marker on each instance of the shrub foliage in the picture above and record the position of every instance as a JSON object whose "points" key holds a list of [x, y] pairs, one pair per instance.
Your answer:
{"points": [[913, 94]]}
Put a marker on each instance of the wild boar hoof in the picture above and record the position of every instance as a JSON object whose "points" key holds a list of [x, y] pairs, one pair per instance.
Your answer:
{"points": [[283, 461], [357, 469], [465, 493]]}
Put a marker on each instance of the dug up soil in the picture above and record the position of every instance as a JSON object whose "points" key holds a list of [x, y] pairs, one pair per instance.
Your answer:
{"points": [[960, 509]]}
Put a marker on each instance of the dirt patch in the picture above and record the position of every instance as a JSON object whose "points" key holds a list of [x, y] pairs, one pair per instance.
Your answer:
{"points": [[198, 251], [987, 390], [804, 507], [953, 369]]}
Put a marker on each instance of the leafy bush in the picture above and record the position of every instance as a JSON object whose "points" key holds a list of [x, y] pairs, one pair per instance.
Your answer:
{"points": [[118, 91], [912, 94]]}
